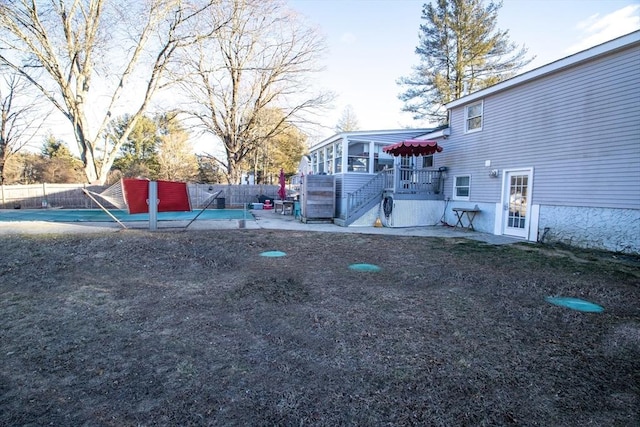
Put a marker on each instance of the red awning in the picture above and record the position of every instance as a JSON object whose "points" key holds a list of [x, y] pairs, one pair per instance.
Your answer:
{"points": [[413, 147]]}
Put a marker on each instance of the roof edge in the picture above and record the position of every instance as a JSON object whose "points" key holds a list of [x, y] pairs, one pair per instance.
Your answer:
{"points": [[437, 133], [577, 58], [340, 135]]}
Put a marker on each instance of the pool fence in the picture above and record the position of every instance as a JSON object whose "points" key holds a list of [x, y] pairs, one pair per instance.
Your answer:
{"points": [[72, 196]]}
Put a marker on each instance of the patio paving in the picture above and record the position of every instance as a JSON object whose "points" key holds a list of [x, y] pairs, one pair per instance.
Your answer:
{"points": [[264, 219]]}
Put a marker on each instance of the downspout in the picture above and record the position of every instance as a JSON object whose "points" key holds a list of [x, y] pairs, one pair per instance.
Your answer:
{"points": [[371, 156]]}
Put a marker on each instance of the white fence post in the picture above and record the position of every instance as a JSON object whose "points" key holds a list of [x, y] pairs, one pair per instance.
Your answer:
{"points": [[153, 205]]}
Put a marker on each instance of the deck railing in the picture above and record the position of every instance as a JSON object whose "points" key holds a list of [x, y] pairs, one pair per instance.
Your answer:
{"points": [[398, 180], [363, 195], [412, 181]]}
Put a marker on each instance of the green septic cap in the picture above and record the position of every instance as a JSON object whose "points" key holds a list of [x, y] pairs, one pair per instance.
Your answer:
{"points": [[576, 304], [364, 267], [273, 254]]}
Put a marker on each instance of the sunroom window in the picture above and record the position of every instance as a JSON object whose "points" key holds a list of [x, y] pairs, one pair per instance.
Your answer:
{"points": [[338, 159], [321, 161], [473, 117], [329, 168], [358, 157], [381, 159]]}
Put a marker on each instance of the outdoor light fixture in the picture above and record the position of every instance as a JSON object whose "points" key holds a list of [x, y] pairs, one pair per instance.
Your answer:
{"points": [[443, 171]]}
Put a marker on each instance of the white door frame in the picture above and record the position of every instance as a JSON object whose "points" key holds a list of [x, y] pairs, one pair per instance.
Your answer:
{"points": [[503, 217]]}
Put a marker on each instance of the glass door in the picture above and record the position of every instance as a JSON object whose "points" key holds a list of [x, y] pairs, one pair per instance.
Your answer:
{"points": [[516, 203]]}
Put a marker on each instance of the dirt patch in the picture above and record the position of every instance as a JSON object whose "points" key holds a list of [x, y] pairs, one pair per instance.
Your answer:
{"points": [[196, 328], [627, 263]]}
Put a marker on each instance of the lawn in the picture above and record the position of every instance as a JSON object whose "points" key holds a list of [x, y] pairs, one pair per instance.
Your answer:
{"points": [[136, 328]]}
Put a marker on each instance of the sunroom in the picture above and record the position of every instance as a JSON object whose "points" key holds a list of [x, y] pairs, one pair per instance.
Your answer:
{"points": [[364, 171]]}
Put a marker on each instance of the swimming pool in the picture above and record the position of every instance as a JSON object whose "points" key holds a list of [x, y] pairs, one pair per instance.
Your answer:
{"points": [[98, 215]]}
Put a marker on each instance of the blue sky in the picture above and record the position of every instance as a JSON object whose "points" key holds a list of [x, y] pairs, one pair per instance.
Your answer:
{"points": [[371, 43]]}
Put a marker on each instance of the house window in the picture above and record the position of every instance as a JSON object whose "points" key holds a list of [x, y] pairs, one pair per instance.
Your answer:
{"points": [[406, 162], [473, 117], [427, 161], [462, 185]]}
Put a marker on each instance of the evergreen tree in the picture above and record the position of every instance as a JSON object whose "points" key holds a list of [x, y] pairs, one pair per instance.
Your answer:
{"points": [[52, 148], [460, 51], [138, 155], [209, 171], [156, 148], [57, 164]]}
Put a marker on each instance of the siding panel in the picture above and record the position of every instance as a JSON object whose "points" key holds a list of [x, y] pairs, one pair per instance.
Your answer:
{"points": [[579, 127]]}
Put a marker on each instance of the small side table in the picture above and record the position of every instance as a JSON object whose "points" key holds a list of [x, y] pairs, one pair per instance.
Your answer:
{"points": [[283, 206], [470, 214]]}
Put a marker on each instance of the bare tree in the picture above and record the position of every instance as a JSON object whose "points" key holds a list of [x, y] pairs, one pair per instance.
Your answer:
{"points": [[282, 151], [261, 60], [176, 158], [348, 122], [62, 47], [20, 118]]}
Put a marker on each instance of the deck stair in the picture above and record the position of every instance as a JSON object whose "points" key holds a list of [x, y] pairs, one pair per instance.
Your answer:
{"points": [[363, 199]]}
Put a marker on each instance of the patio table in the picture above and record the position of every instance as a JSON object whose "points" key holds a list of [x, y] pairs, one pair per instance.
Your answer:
{"points": [[283, 206], [470, 214]]}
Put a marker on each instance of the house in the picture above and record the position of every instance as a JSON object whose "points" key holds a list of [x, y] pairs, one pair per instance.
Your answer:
{"points": [[550, 155], [363, 171]]}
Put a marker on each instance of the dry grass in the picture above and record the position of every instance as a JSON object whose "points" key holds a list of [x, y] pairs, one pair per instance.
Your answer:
{"points": [[196, 328]]}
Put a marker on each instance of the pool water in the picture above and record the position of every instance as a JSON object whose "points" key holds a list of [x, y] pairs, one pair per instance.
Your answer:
{"points": [[98, 215]]}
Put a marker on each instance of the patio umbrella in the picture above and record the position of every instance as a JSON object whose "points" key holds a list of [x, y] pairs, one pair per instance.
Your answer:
{"points": [[413, 147], [282, 191]]}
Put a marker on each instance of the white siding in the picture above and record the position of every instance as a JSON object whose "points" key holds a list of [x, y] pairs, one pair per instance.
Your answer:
{"points": [[578, 128]]}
